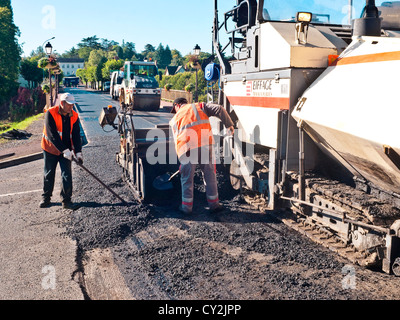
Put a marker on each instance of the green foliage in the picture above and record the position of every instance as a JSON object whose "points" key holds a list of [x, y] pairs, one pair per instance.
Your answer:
{"points": [[84, 53], [177, 59], [72, 53], [46, 88], [190, 87], [47, 63], [82, 74], [90, 42], [19, 125], [111, 65], [9, 54], [90, 74], [186, 81], [42, 63], [163, 56], [98, 76], [181, 80], [96, 56], [5, 3], [30, 72]]}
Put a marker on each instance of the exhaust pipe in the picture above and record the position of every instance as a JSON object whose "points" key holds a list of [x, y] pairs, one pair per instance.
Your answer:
{"points": [[370, 24]]}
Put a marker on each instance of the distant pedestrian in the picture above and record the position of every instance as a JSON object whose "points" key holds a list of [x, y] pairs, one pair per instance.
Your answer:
{"points": [[61, 141], [194, 143]]}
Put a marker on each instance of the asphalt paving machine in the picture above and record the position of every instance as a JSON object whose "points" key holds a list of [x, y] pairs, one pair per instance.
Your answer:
{"points": [[312, 88], [146, 152]]}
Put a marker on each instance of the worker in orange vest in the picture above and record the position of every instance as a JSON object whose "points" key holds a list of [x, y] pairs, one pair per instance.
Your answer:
{"points": [[194, 143], [60, 142]]}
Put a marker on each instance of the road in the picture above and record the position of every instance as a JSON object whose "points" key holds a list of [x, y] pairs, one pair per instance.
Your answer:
{"points": [[152, 252]]}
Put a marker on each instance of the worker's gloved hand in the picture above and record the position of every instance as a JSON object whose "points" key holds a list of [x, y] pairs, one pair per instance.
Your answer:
{"points": [[79, 157], [68, 154]]}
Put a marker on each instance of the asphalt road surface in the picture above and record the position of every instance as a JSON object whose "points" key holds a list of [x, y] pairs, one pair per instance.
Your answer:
{"points": [[153, 252]]}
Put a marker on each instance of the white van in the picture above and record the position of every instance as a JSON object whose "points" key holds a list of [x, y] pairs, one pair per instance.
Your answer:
{"points": [[116, 80]]}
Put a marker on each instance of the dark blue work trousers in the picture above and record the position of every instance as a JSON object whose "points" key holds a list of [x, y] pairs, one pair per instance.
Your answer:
{"points": [[50, 166]]}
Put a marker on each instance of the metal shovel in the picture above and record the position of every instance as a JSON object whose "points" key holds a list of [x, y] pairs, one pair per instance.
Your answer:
{"points": [[98, 180], [163, 183]]}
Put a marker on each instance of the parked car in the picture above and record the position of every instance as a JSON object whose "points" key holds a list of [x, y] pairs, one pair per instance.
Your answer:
{"points": [[107, 85]]}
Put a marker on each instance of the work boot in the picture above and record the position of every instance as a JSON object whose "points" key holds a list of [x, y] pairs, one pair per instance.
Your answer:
{"points": [[45, 203], [218, 209], [70, 206], [185, 211]]}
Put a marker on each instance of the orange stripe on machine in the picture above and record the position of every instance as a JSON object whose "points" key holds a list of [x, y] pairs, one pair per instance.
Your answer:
{"points": [[368, 58], [262, 102]]}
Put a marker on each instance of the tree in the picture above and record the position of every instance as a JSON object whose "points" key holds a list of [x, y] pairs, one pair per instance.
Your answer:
{"points": [[108, 45], [98, 75], [82, 74], [10, 52], [177, 59], [119, 51], [30, 71], [163, 56], [167, 58], [39, 52], [128, 50], [96, 56], [158, 54], [110, 66], [90, 75], [90, 42], [148, 51], [87, 45], [72, 53]]}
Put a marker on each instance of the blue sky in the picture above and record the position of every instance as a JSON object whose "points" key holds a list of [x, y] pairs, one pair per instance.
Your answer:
{"points": [[181, 24]]}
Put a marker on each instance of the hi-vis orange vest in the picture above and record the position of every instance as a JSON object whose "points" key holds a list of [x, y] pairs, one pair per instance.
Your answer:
{"points": [[46, 144], [191, 128]]}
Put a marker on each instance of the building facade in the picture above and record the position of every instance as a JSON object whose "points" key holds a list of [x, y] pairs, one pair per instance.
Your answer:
{"points": [[69, 66]]}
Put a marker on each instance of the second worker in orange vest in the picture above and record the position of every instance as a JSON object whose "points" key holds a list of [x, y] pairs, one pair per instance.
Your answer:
{"points": [[61, 138], [194, 145]]}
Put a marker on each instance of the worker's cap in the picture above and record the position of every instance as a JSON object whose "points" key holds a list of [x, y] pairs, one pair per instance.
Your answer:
{"points": [[67, 97], [180, 101]]}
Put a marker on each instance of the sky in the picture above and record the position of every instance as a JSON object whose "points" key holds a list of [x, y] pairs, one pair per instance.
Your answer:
{"points": [[181, 24]]}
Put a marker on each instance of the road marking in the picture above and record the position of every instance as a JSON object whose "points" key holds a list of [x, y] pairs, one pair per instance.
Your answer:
{"points": [[18, 193]]}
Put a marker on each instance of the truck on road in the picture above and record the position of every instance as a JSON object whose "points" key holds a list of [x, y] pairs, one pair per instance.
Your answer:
{"points": [[71, 81], [139, 89]]}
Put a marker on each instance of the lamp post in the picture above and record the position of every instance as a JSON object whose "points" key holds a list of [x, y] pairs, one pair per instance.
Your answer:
{"points": [[197, 51], [49, 49]]}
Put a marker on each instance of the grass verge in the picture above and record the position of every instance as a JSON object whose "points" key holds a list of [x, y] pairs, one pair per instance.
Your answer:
{"points": [[22, 125]]}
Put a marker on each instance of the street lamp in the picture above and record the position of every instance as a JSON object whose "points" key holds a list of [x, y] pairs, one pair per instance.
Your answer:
{"points": [[48, 48], [197, 51]]}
